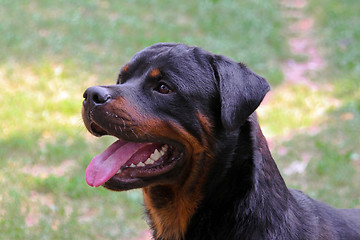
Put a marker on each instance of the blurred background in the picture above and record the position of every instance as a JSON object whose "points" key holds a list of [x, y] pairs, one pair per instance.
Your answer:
{"points": [[51, 51]]}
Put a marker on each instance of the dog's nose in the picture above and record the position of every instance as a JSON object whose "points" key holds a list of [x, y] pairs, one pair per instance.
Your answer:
{"points": [[96, 95]]}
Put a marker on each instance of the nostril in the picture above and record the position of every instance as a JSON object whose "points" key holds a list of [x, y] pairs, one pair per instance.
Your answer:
{"points": [[96, 98], [96, 95], [99, 98]]}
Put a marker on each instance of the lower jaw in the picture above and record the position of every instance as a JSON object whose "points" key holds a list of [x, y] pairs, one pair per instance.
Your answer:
{"points": [[116, 184], [139, 178]]}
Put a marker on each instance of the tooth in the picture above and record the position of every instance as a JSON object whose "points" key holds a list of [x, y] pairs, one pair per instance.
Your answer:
{"points": [[140, 164], [149, 161], [153, 157], [157, 154], [132, 165], [119, 171], [165, 148]]}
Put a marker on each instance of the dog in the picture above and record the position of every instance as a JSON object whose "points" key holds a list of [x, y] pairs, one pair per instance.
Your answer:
{"points": [[188, 135]]}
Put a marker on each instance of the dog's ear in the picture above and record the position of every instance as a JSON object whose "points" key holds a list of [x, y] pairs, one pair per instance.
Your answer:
{"points": [[241, 91]]}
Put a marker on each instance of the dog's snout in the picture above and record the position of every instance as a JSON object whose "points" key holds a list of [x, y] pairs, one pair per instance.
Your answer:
{"points": [[96, 95]]}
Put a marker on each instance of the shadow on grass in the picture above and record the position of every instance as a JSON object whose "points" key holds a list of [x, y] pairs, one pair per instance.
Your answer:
{"points": [[44, 193]]}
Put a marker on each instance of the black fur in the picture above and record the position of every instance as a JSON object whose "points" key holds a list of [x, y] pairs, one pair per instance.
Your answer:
{"points": [[244, 196], [248, 199]]}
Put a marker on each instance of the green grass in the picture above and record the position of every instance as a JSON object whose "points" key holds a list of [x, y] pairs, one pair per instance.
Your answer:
{"points": [[337, 21], [51, 52], [295, 108], [330, 140], [101, 35]]}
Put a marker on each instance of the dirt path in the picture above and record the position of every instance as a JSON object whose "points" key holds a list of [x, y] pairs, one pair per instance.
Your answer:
{"points": [[301, 44], [303, 65]]}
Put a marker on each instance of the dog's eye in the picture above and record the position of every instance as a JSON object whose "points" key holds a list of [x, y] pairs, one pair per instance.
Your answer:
{"points": [[163, 89]]}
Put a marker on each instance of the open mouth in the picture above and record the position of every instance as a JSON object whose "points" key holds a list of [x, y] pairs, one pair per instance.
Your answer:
{"points": [[126, 161]]}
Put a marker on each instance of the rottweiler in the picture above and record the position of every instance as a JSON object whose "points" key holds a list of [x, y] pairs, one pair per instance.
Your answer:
{"points": [[188, 135]]}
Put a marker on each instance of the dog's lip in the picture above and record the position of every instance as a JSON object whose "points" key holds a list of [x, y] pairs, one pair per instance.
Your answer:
{"points": [[97, 130], [136, 177], [131, 178]]}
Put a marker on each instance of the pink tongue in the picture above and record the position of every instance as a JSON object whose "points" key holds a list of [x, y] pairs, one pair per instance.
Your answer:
{"points": [[105, 165]]}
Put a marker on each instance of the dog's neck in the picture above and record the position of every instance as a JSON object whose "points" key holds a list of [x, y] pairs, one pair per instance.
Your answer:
{"points": [[169, 209], [252, 184], [250, 181], [170, 206]]}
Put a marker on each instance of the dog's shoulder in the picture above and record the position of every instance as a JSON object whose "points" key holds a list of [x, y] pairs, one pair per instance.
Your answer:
{"points": [[331, 223]]}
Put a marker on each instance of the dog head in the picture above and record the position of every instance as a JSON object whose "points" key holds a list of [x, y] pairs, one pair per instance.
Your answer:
{"points": [[168, 105]]}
